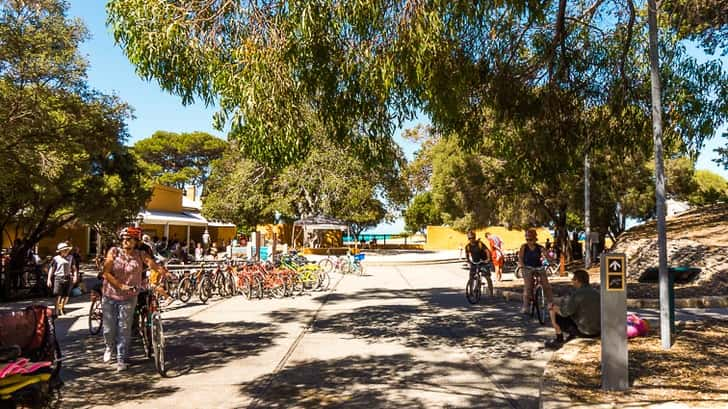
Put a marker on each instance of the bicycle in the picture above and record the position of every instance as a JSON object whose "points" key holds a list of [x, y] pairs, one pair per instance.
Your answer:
{"points": [[537, 303], [95, 313], [148, 320], [473, 289]]}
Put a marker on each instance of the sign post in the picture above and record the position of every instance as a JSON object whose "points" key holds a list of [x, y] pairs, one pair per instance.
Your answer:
{"points": [[613, 318]]}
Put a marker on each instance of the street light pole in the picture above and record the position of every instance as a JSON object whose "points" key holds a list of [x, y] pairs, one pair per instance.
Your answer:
{"points": [[587, 216], [665, 330]]}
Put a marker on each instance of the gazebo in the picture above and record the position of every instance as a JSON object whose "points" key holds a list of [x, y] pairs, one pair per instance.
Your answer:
{"points": [[314, 224]]}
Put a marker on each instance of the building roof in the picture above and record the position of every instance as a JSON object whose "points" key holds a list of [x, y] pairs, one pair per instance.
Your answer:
{"points": [[173, 218], [321, 223]]}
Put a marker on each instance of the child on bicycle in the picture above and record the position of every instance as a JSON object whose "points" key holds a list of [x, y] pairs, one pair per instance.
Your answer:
{"points": [[530, 255]]}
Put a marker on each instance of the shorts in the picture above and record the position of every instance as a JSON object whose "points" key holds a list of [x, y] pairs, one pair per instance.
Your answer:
{"points": [[497, 258], [61, 286]]}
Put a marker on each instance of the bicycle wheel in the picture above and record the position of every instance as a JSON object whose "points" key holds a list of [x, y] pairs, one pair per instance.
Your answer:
{"points": [[326, 265], [344, 265], [184, 290], [324, 281], [472, 290], [245, 287], [95, 317], [257, 285], [297, 284], [518, 272], [145, 332], [204, 290], [158, 344], [219, 285], [539, 304], [232, 285], [278, 290]]}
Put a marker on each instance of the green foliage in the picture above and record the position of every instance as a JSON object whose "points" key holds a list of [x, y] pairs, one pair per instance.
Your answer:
{"points": [[421, 213], [238, 190], [680, 177], [62, 152], [179, 159], [699, 20], [330, 181], [712, 188]]}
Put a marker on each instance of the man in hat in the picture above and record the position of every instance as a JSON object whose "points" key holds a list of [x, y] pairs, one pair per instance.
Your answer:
{"points": [[62, 273]]}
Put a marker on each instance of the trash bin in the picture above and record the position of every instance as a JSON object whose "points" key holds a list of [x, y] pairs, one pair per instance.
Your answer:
{"points": [[678, 275]]}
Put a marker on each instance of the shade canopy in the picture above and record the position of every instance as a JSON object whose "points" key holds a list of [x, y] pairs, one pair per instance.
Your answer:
{"points": [[321, 223]]}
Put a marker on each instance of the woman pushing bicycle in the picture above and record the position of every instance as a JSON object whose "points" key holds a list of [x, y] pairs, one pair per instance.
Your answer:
{"points": [[530, 260], [122, 274]]}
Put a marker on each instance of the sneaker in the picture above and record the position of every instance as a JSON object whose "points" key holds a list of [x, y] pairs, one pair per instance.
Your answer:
{"points": [[121, 366], [524, 310], [555, 343], [107, 355]]}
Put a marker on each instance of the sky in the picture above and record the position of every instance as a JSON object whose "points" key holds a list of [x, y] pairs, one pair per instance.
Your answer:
{"points": [[154, 109]]}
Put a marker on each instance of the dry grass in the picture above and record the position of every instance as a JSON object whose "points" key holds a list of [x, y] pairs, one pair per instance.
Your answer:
{"points": [[694, 371]]}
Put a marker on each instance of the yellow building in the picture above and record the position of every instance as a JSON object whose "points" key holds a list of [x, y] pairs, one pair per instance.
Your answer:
{"points": [[170, 213], [445, 238]]}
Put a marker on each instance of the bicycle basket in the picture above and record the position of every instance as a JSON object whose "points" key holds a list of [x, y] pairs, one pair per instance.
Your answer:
{"points": [[359, 257]]}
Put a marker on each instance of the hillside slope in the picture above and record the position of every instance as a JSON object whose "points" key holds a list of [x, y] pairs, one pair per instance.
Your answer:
{"points": [[697, 238]]}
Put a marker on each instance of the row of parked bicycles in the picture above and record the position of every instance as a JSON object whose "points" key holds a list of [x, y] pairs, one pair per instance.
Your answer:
{"points": [[283, 276]]}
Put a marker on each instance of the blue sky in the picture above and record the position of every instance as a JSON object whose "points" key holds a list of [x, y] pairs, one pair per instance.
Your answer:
{"points": [[110, 72]]}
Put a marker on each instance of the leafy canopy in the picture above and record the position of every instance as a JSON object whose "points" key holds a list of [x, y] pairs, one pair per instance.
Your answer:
{"points": [[179, 159], [62, 151]]}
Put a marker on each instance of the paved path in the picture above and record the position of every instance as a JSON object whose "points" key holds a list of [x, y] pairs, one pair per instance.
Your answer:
{"points": [[401, 336]]}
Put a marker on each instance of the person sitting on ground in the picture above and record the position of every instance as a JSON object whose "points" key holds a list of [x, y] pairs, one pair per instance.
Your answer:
{"points": [[531, 255], [476, 251], [579, 314]]}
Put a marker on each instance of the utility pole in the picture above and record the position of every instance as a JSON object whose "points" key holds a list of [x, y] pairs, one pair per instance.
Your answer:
{"points": [[587, 216], [665, 330]]}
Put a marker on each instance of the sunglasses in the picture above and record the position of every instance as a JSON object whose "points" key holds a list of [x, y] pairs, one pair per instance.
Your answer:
{"points": [[529, 240], [127, 238]]}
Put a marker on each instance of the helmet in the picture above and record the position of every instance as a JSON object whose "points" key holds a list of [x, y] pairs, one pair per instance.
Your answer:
{"points": [[134, 232], [471, 235], [531, 234]]}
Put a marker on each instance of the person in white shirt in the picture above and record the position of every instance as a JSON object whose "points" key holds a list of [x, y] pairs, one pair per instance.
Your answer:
{"points": [[61, 275]]}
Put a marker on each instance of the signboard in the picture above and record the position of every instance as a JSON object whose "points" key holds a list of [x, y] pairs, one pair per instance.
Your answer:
{"points": [[616, 266], [615, 375], [264, 251]]}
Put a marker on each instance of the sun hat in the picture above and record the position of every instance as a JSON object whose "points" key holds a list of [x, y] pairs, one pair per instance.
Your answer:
{"points": [[62, 246]]}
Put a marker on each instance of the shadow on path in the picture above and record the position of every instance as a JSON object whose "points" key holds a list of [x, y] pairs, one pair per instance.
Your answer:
{"points": [[380, 381]]}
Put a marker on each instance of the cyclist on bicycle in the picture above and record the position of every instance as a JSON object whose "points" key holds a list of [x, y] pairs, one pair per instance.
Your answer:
{"points": [[475, 252], [530, 256]]}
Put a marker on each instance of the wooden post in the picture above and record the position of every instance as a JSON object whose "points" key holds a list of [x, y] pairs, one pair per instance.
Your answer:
{"points": [[562, 267]]}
